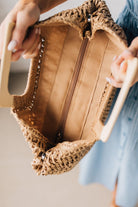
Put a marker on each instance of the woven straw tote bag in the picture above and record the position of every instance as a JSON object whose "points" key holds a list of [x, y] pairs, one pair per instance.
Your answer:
{"points": [[63, 110]]}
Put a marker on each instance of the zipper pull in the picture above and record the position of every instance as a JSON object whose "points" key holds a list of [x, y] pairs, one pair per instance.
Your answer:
{"points": [[87, 30], [89, 17]]}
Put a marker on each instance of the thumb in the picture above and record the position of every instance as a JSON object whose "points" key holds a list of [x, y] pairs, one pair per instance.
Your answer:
{"points": [[113, 82]]}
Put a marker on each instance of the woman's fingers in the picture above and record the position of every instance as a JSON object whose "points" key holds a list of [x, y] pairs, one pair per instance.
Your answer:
{"points": [[33, 54], [119, 70], [127, 54], [26, 15], [31, 43], [113, 82], [32, 47], [17, 55], [119, 65], [123, 67], [31, 39], [29, 47], [119, 60]]}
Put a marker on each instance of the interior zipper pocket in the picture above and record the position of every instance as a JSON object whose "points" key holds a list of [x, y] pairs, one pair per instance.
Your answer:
{"points": [[60, 131]]}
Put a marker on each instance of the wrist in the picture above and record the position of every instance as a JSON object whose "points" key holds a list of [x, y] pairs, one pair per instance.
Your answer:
{"points": [[32, 3], [43, 5], [40, 4]]}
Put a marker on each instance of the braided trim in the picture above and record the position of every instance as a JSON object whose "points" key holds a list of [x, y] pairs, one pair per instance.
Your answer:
{"points": [[78, 18], [50, 159], [62, 158]]}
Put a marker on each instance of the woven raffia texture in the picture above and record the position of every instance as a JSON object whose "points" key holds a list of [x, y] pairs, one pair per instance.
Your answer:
{"points": [[50, 159], [95, 11], [56, 159]]}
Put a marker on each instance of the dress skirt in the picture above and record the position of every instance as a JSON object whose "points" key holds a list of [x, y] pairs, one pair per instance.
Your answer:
{"points": [[117, 159]]}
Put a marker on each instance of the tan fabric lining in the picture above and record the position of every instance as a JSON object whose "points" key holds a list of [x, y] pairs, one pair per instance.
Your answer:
{"points": [[96, 85], [49, 106], [60, 90], [112, 49], [75, 121]]}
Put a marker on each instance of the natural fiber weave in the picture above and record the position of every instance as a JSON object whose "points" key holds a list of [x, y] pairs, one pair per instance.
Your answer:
{"points": [[99, 14], [58, 156]]}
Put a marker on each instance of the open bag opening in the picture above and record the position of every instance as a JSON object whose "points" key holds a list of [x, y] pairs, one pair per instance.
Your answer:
{"points": [[67, 99]]}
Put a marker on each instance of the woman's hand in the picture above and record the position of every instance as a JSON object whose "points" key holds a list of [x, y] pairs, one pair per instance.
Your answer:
{"points": [[119, 65], [22, 43]]}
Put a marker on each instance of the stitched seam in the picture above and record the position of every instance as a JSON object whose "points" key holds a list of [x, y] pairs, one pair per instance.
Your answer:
{"points": [[94, 90], [56, 76]]}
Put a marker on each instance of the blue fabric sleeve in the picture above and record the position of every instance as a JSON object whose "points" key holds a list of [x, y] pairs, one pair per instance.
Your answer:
{"points": [[128, 19]]}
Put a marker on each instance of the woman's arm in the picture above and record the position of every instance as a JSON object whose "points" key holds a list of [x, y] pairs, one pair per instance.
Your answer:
{"points": [[119, 65], [44, 5], [25, 14]]}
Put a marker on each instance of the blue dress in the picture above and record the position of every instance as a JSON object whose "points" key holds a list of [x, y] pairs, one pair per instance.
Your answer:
{"points": [[117, 159]]}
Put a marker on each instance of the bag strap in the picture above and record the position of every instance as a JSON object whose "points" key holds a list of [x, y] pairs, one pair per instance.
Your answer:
{"points": [[130, 76], [6, 99]]}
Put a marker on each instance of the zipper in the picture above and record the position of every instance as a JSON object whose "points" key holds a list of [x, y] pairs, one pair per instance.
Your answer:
{"points": [[60, 132]]}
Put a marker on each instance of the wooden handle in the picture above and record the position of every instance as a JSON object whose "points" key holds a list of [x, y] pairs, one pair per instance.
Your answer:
{"points": [[130, 76], [6, 100]]}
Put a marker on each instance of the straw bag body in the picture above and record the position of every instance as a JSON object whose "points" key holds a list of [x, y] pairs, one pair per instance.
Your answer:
{"points": [[67, 99], [67, 91]]}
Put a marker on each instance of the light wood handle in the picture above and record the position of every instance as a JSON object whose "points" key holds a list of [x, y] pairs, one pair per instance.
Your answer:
{"points": [[6, 100], [130, 76]]}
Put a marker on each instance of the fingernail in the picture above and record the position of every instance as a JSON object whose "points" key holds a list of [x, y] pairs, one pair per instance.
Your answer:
{"points": [[121, 66], [120, 57], [12, 45], [108, 80], [114, 58]]}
